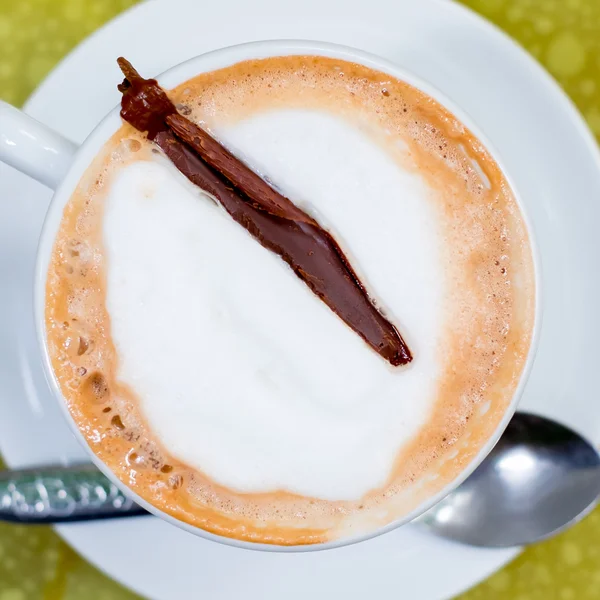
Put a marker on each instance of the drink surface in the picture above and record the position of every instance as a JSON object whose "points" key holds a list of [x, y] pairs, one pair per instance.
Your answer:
{"points": [[211, 380]]}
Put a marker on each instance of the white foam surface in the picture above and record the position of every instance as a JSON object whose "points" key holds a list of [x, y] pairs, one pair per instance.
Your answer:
{"points": [[241, 371]]}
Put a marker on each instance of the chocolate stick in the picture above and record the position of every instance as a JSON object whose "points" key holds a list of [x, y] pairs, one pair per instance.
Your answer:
{"points": [[272, 219]]}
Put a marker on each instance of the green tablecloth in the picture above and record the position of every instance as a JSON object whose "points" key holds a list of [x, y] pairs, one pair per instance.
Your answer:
{"points": [[563, 34]]}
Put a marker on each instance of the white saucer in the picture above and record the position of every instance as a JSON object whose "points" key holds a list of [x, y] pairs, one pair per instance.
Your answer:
{"points": [[545, 145]]}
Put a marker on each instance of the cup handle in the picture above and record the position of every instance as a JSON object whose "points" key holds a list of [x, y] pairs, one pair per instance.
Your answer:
{"points": [[33, 148]]}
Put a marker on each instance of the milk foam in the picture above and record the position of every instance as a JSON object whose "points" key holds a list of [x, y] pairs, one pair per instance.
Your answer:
{"points": [[241, 372]]}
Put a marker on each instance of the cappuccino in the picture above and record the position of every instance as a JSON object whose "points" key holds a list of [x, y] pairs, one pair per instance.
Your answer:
{"points": [[211, 380]]}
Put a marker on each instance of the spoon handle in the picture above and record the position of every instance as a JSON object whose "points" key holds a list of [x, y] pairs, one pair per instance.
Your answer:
{"points": [[61, 494]]}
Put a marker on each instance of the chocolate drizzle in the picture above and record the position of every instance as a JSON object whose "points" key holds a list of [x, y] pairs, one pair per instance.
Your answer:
{"points": [[267, 215]]}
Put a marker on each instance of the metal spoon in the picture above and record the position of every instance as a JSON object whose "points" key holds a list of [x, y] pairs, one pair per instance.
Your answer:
{"points": [[60, 494], [539, 479]]}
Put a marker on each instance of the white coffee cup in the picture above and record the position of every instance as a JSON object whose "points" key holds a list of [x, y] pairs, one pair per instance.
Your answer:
{"points": [[45, 155]]}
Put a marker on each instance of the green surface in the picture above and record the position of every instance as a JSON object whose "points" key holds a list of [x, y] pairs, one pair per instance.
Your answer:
{"points": [[563, 34]]}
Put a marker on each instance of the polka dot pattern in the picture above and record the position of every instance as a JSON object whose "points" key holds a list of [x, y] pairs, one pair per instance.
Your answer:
{"points": [[35, 564], [36, 34], [564, 35]]}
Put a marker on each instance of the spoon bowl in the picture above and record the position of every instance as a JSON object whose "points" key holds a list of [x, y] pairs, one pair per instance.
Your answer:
{"points": [[538, 480]]}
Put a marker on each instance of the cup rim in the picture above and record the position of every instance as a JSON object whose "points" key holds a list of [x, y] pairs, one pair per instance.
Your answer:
{"points": [[211, 61]]}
